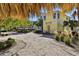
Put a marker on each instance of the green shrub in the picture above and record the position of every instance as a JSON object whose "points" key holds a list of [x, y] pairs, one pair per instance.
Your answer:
{"points": [[6, 44], [23, 31], [75, 38], [65, 23], [9, 23], [67, 40], [62, 37], [39, 31], [4, 34], [2, 45], [58, 36], [28, 31], [10, 41], [35, 31]]}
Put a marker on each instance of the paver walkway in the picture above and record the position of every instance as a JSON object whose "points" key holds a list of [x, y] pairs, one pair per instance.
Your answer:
{"points": [[32, 44]]}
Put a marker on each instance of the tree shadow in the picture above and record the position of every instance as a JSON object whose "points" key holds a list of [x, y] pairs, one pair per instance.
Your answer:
{"points": [[48, 35], [52, 36], [13, 33]]}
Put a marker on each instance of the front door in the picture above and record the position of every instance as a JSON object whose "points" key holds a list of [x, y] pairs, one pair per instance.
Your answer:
{"points": [[48, 28]]}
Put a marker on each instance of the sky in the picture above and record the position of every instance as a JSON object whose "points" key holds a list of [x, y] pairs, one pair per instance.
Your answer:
{"points": [[34, 17]]}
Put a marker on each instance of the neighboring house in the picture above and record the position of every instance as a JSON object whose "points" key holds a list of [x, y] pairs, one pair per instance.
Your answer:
{"points": [[72, 15]]}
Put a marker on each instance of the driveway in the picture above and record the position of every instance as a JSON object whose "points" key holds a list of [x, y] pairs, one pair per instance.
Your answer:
{"points": [[32, 44]]}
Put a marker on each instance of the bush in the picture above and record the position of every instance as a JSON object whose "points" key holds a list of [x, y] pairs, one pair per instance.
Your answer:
{"points": [[36, 31], [6, 44], [62, 37], [28, 31], [65, 23], [9, 23], [2, 45], [75, 38], [23, 30], [58, 36], [39, 31], [67, 40], [10, 42]]}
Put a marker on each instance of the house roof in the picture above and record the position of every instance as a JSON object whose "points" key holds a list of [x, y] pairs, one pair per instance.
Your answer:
{"points": [[70, 14], [56, 9], [74, 10], [43, 10]]}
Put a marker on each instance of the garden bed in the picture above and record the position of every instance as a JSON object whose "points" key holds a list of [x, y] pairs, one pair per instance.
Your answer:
{"points": [[69, 39]]}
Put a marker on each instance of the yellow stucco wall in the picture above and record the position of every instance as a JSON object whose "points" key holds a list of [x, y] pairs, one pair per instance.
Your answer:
{"points": [[52, 23], [49, 25]]}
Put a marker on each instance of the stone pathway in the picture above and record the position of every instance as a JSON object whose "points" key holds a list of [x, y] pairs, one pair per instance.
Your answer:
{"points": [[32, 44]]}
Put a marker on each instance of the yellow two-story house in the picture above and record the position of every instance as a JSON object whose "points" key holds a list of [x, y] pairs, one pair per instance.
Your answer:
{"points": [[54, 18]]}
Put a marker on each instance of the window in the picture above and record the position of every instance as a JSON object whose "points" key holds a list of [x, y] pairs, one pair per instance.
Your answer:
{"points": [[66, 18], [74, 17], [58, 15], [44, 17], [54, 16]]}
